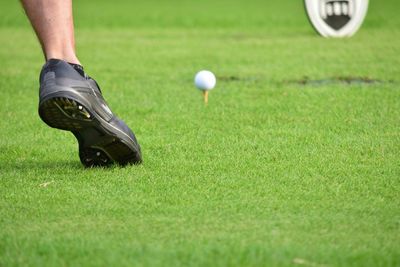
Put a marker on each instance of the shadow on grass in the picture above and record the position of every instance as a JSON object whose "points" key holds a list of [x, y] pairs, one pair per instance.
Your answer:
{"points": [[342, 80], [48, 166], [29, 165]]}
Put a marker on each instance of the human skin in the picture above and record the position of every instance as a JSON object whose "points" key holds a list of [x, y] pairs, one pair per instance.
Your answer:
{"points": [[53, 23]]}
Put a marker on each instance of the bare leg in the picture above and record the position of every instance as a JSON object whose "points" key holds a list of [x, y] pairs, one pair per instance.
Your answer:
{"points": [[52, 21]]}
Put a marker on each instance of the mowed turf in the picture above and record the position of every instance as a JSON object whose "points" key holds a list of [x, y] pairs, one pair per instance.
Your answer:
{"points": [[294, 162]]}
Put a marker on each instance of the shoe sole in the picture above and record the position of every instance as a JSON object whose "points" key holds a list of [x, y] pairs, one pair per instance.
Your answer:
{"points": [[100, 143]]}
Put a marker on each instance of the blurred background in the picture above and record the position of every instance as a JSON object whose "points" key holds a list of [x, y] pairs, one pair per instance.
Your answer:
{"points": [[223, 14]]}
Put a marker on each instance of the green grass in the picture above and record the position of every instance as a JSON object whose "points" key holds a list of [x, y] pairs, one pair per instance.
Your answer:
{"points": [[270, 173]]}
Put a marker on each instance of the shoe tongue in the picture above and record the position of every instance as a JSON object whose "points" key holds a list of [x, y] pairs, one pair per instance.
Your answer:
{"points": [[79, 69]]}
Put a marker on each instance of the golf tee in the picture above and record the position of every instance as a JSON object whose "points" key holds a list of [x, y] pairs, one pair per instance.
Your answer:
{"points": [[205, 94]]}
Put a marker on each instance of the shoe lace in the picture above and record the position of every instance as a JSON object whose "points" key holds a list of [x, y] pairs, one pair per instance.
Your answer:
{"points": [[81, 71]]}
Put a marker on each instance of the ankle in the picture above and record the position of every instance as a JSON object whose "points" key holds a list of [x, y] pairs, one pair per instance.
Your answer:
{"points": [[68, 57]]}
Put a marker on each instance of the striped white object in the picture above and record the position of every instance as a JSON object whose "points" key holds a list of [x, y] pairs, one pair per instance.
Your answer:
{"points": [[319, 10]]}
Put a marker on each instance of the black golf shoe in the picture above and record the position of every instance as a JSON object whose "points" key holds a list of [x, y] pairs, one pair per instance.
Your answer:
{"points": [[70, 100]]}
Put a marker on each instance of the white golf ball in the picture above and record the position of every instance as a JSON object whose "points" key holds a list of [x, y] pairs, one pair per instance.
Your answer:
{"points": [[205, 80]]}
